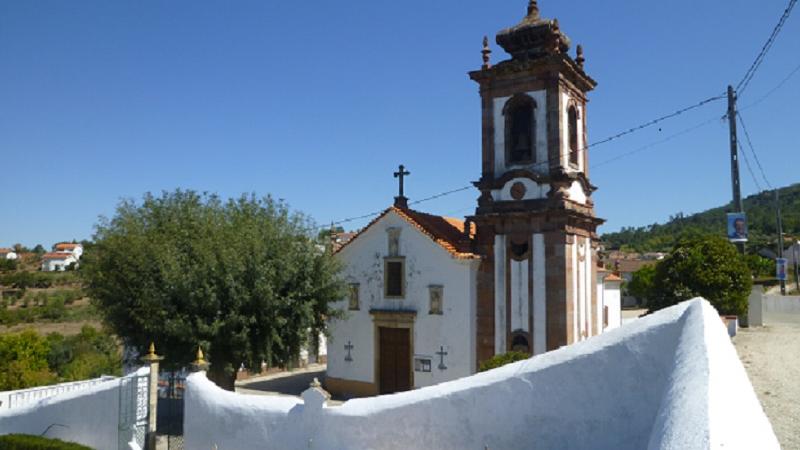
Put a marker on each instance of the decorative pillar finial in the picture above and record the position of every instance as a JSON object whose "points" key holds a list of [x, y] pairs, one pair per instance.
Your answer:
{"points": [[151, 356], [533, 9], [200, 362], [580, 59], [487, 53]]}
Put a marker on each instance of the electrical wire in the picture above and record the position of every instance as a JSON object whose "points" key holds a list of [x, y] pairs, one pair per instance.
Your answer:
{"points": [[629, 131], [749, 167], [753, 151], [773, 90], [751, 72]]}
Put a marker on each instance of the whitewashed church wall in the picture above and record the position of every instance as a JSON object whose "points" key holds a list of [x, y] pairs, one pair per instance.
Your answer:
{"points": [[519, 296], [572, 252], [499, 294], [89, 416], [587, 287], [579, 242], [500, 167], [539, 295], [600, 292], [426, 264], [612, 299], [615, 391]]}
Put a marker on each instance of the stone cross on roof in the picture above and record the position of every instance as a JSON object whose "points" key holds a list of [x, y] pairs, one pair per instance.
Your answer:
{"points": [[401, 201]]}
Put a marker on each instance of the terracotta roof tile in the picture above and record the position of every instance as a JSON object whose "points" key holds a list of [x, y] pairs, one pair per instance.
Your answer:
{"points": [[57, 255], [445, 231], [66, 246]]}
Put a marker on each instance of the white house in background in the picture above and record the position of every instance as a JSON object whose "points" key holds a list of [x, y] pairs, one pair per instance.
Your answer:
{"points": [[7, 253], [609, 295], [410, 313], [65, 247], [54, 261]]}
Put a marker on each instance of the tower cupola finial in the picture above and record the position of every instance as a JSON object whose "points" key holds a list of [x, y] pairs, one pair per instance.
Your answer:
{"points": [[487, 53], [533, 9]]}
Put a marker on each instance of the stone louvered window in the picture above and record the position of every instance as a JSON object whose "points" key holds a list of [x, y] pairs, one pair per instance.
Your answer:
{"points": [[353, 298], [436, 299]]}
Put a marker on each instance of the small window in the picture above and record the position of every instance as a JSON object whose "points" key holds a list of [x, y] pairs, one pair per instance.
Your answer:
{"points": [[572, 120], [520, 130], [436, 298], [394, 276], [353, 297]]}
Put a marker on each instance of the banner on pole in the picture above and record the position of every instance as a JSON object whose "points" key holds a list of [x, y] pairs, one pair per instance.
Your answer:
{"points": [[781, 265], [737, 227]]}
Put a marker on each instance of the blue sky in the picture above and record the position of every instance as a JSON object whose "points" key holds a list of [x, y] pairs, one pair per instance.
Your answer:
{"points": [[318, 102]]}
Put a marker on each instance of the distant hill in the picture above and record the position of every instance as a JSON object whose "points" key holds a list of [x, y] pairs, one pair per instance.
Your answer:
{"points": [[760, 209]]}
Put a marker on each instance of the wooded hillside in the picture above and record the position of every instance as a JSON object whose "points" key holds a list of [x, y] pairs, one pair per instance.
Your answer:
{"points": [[760, 209]]}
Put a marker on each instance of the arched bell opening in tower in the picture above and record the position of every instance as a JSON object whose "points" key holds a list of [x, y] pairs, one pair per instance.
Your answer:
{"points": [[520, 129]]}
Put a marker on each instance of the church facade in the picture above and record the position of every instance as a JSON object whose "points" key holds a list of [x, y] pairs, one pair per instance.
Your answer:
{"points": [[431, 297]]}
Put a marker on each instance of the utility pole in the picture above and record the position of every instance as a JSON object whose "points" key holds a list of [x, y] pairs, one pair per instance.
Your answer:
{"points": [[780, 234], [796, 254], [737, 191]]}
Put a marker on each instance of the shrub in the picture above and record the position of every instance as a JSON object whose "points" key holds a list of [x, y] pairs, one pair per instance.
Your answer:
{"points": [[501, 360], [708, 267], [27, 442], [23, 361]]}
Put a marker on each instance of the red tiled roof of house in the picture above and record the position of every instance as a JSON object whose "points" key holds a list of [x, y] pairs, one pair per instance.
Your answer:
{"points": [[56, 255], [632, 265], [66, 246], [445, 231], [5, 250], [612, 277]]}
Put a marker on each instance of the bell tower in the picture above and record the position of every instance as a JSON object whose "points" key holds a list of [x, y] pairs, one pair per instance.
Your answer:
{"points": [[536, 226]]}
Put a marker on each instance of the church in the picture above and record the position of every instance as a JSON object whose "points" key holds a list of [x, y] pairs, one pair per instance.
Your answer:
{"points": [[431, 297]]}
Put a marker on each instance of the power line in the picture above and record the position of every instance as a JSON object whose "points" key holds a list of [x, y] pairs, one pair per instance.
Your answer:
{"points": [[773, 90], [653, 144], [748, 76], [655, 121], [753, 150], [749, 167], [586, 148]]}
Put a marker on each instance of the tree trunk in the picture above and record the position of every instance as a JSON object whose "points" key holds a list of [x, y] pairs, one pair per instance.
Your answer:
{"points": [[226, 379]]}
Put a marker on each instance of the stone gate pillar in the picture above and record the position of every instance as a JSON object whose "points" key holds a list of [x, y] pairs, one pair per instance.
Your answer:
{"points": [[152, 360]]}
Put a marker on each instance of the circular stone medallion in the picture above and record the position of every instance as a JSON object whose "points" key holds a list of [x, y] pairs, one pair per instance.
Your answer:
{"points": [[518, 191]]}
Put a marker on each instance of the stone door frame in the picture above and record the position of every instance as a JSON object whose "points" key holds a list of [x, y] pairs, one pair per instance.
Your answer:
{"points": [[393, 319]]}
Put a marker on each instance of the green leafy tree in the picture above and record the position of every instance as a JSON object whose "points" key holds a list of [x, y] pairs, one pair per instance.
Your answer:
{"points": [[244, 278], [709, 267], [23, 361], [641, 284]]}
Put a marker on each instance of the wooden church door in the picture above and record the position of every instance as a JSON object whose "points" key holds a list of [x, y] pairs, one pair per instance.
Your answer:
{"points": [[394, 360]]}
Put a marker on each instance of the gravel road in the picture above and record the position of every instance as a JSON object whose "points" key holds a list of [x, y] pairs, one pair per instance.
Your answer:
{"points": [[771, 355]]}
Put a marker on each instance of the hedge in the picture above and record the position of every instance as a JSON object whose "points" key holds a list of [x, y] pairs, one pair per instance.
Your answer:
{"points": [[27, 442]]}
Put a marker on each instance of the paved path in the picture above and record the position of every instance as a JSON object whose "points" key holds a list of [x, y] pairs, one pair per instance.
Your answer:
{"points": [[284, 383], [771, 355]]}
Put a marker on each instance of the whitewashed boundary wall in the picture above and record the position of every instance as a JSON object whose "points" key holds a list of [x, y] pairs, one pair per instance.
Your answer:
{"points": [[781, 304], [21, 397], [90, 416], [671, 380]]}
